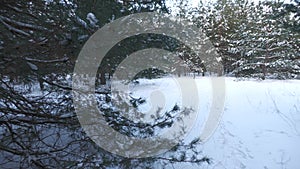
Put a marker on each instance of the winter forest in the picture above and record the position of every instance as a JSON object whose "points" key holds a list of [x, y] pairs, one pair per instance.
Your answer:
{"points": [[257, 45]]}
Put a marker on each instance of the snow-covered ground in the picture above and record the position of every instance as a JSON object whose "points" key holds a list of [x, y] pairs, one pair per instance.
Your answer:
{"points": [[259, 128], [260, 125]]}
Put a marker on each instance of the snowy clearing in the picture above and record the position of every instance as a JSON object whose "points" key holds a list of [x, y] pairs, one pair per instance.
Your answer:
{"points": [[260, 125]]}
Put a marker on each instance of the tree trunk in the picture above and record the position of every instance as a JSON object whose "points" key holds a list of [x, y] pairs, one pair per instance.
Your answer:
{"points": [[102, 78]]}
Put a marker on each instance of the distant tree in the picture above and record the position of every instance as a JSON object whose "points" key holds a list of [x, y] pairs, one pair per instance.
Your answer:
{"points": [[291, 10], [224, 23], [269, 47], [253, 40]]}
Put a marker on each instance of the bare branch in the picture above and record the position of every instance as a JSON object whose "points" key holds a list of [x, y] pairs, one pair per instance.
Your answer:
{"points": [[47, 61], [9, 27], [21, 24]]}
